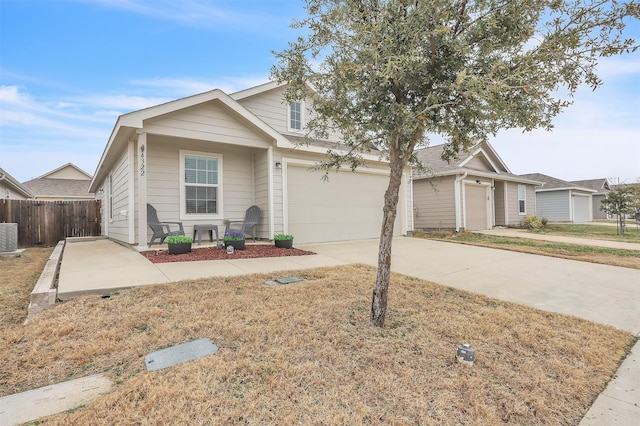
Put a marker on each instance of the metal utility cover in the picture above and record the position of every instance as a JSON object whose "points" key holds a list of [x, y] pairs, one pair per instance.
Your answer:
{"points": [[178, 354], [289, 280]]}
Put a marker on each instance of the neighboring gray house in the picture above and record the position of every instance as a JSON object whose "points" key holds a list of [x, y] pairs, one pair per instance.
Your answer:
{"points": [[562, 201], [602, 188], [208, 157], [473, 192], [67, 182], [11, 188]]}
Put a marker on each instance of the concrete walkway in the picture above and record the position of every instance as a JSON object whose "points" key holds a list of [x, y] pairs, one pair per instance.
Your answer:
{"points": [[601, 293], [521, 233]]}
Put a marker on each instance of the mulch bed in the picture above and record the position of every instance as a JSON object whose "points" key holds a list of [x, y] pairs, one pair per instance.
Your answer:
{"points": [[252, 251]]}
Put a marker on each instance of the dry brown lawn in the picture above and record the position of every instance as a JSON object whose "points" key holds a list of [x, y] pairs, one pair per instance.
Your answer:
{"points": [[304, 353]]}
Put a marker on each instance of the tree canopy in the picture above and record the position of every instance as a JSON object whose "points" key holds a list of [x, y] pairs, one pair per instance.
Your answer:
{"points": [[387, 74]]}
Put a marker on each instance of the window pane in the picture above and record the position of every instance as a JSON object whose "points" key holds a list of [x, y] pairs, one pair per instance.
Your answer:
{"points": [[295, 115], [521, 206]]}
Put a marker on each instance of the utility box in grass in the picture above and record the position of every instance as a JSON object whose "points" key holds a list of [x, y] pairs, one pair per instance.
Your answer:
{"points": [[8, 237]]}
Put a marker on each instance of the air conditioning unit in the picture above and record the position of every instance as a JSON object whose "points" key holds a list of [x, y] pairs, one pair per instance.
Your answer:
{"points": [[8, 237]]}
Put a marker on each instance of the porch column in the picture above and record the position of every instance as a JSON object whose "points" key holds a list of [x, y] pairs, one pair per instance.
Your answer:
{"points": [[131, 194], [270, 166], [142, 189]]}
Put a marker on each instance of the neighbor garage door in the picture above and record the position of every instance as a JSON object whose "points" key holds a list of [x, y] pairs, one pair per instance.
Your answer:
{"points": [[347, 207], [475, 207], [581, 206]]}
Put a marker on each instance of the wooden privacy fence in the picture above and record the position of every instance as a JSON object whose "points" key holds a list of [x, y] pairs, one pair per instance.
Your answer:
{"points": [[44, 223]]}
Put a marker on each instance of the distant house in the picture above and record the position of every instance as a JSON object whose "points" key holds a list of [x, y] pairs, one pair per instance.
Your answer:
{"points": [[562, 201], [601, 186], [473, 192], [11, 188], [67, 182]]}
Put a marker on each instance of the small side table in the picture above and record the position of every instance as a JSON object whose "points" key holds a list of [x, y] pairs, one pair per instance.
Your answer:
{"points": [[199, 229]]}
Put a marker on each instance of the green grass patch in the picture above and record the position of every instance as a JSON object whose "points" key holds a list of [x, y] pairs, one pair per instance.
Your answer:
{"points": [[599, 232], [593, 254]]}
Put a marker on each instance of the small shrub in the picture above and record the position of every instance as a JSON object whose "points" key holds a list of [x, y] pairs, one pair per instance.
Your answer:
{"points": [[177, 239], [533, 222], [282, 237], [233, 236]]}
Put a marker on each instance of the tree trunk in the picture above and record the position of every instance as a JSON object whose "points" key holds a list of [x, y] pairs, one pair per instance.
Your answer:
{"points": [[380, 292]]}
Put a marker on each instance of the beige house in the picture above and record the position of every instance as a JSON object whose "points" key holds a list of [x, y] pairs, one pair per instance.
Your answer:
{"points": [[12, 189], [208, 157], [66, 183], [472, 192]]}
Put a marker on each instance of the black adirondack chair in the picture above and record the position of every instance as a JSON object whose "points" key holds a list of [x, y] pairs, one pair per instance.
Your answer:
{"points": [[246, 226], [161, 230]]}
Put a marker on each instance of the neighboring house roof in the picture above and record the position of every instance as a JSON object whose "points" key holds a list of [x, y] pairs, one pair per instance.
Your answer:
{"points": [[554, 184], [467, 161], [10, 182], [600, 185], [67, 181], [66, 171], [59, 188]]}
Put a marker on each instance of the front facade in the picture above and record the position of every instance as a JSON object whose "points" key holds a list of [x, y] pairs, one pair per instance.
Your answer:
{"points": [[473, 192], [208, 157], [10, 188], [562, 201]]}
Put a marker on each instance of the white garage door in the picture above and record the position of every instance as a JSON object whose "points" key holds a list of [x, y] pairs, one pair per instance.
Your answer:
{"points": [[581, 206], [347, 207], [475, 207]]}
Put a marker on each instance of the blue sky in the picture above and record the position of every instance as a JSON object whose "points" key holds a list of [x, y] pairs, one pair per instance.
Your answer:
{"points": [[68, 68]]}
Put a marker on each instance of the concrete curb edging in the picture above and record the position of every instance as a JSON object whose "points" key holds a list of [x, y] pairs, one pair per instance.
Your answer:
{"points": [[45, 291]]}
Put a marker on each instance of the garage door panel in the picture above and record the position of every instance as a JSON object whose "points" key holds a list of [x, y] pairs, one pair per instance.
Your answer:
{"points": [[581, 206], [475, 207], [348, 206]]}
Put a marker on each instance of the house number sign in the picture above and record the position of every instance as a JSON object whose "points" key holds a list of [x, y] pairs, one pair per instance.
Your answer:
{"points": [[141, 160]]}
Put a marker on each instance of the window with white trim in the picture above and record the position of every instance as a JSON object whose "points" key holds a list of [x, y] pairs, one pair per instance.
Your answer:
{"points": [[295, 116], [201, 182], [522, 199]]}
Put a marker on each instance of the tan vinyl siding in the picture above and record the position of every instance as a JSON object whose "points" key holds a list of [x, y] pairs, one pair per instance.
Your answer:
{"points": [[596, 201], [434, 203], [238, 187], [512, 203], [207, 122], [479, 163], [273, 110], [261, 168], [119, 223]]}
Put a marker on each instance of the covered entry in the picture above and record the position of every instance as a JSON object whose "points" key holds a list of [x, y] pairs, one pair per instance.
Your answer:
{"points": [[346, 207]]}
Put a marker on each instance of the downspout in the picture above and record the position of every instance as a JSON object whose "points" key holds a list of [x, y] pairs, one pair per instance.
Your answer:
{"points": [[457, 191]]}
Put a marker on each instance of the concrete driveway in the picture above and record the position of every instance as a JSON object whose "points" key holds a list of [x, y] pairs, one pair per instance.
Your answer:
{"points": [[601, 293]]}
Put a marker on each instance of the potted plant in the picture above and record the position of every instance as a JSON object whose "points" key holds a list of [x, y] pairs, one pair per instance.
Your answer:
{"points": [[283, 240], [235, 239], [179, 244]]}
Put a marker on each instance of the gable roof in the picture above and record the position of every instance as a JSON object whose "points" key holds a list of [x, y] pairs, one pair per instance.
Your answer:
{"points": [[554, 184], [59, 188], [54, 174], [127, 124], [495, 167], [13, 184], [600, 185]]}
